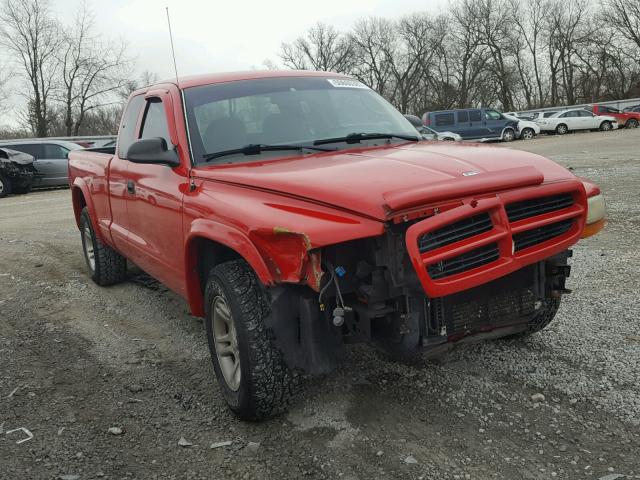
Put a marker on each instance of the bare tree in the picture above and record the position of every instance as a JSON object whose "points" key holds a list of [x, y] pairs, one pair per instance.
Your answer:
{"points": [[624, 15], [92, 71], [368, 39], [28, 31], [323, 48]]}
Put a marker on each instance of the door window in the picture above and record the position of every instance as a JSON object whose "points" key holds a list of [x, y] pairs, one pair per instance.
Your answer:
{"points": [[492, 115], [444, 119], [155, 121], [463, 117], [34, 149], [128, 126], [54, 152], [584, 113], [475, 115]]}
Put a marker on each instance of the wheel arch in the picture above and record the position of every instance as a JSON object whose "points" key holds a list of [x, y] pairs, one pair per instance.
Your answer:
{"points": [[81, 198], [210, 243]]}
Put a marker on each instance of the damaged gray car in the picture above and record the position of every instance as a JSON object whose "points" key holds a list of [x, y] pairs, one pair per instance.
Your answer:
{"points": [[16, 172]]}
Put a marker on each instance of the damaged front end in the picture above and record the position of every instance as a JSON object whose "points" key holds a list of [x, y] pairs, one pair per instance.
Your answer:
{"points": [[482, 267], [16, 172]]}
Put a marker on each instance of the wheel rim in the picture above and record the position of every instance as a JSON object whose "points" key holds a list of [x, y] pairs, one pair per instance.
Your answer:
{"points": [[1, 186], [633, 123], [606, 126], [89, 251], [562, 129], [226, 343], [528, 134], [508, 136]]}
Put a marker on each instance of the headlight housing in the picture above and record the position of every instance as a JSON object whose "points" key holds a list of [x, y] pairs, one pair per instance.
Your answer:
{"points": [[597, 209]]}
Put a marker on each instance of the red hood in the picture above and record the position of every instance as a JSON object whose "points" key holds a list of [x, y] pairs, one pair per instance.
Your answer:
{"points": [[372, 181]]}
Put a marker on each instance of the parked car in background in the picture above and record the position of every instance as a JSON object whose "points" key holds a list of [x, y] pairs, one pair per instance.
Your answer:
{"points": [[634, 108], [576, 119], [537, 116], [16, 172], [51, 159], [526, 128], [625, 119], [431, 134], [473, 124]]}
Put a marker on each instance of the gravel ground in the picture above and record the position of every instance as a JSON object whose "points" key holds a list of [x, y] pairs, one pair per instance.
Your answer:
{"points": [[117, 382]]}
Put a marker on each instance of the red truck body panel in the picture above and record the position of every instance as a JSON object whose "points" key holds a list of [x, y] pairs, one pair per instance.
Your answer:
{"points": [[277, 214]]}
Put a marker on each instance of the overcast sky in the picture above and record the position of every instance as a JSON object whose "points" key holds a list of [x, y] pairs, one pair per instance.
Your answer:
{"points": [[212, 36], [224, 35]]}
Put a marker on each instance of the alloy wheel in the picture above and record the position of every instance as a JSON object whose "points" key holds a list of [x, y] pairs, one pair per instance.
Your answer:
{"points": [[226, 343], [89, 251]]}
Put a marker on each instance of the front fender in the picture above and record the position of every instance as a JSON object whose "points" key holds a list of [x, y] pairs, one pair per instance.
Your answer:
{"points": [[204, 229]]}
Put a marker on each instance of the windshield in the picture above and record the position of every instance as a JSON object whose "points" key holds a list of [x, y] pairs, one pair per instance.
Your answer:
{"points": [[285, 111]]}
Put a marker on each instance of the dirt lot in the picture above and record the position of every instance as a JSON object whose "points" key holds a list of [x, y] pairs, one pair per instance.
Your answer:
{"points": [[77, 359]]}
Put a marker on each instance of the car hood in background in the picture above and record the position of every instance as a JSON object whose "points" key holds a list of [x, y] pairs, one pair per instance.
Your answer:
{"points": [[362, 180], [15, 157]]}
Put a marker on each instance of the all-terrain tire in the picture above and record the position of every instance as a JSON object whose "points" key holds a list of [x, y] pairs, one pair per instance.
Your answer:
{"points": [[267, 386], [108, 266], [5, 186], [546, 313]]}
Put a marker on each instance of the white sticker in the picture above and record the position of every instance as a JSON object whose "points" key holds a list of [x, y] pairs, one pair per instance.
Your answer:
{"points": [[346, 83]]}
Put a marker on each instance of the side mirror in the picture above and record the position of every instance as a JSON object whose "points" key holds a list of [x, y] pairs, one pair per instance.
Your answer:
{"points": [[153, 151], [414, 120]]}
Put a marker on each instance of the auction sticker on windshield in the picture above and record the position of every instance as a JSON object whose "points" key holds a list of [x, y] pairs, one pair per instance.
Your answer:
{"points": [[346, 83]]}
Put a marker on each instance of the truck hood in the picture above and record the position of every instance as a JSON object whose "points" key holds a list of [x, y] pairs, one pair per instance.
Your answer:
{"points": [[378, 181]]}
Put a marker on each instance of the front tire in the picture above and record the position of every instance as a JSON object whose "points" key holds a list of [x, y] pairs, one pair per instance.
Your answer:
{"points": [[632, 123], [508, 135], [254, 379], [606, 126], [107, 266], [5, 186], [527, 134], [562, 129]]}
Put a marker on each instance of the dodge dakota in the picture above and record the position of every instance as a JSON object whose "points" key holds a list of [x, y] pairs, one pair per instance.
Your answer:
{"points": [[299, 212]]}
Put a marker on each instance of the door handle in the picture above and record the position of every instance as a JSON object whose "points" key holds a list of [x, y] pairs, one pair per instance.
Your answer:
{"points": [[131, 187]]}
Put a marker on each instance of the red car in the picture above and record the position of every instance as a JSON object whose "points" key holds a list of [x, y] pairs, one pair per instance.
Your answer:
{"points": [[299, 212], [625, 119]]}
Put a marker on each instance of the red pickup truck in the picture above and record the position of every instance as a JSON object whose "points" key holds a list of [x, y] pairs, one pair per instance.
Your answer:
{"points": [[299, 212], [625, 119]]}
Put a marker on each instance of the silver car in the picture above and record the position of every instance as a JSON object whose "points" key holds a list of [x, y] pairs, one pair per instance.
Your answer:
{"points": [[51, 158]]}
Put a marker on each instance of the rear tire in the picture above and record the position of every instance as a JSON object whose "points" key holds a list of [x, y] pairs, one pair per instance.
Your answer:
{"points": [[107, 266], [606, 126], [562, 129], [5, 186], [632, 123], [254, 379]]}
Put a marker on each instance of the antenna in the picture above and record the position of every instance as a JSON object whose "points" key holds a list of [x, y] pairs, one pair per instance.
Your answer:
{"points": [[173, 52]]}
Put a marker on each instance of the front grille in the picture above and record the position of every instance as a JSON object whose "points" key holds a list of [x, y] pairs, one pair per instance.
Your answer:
{"points": [[541, 234], [466, 261], [537, 206], [455, 232]]}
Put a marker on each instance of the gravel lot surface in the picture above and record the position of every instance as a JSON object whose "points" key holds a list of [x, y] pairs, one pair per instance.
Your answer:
{"points": [[117, 382]]}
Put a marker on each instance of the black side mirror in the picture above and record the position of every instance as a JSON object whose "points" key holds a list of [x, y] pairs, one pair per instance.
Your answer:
{"points": [[154, 151], [414, 120]]}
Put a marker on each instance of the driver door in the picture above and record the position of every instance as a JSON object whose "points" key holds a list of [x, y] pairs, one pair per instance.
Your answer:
{"points": [[154, 201]]}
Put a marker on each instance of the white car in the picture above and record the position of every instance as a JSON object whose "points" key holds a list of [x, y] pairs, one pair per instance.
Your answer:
{"points": [[526, 129], [431, 134], [576, 119]]}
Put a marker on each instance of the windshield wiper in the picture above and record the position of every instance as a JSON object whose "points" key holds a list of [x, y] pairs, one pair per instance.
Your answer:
{"points": [[358, 137], [255, 149]]}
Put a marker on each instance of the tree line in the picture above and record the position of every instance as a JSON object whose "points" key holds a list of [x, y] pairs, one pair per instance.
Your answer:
{"points": [[72, 80], [509, 54]]}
